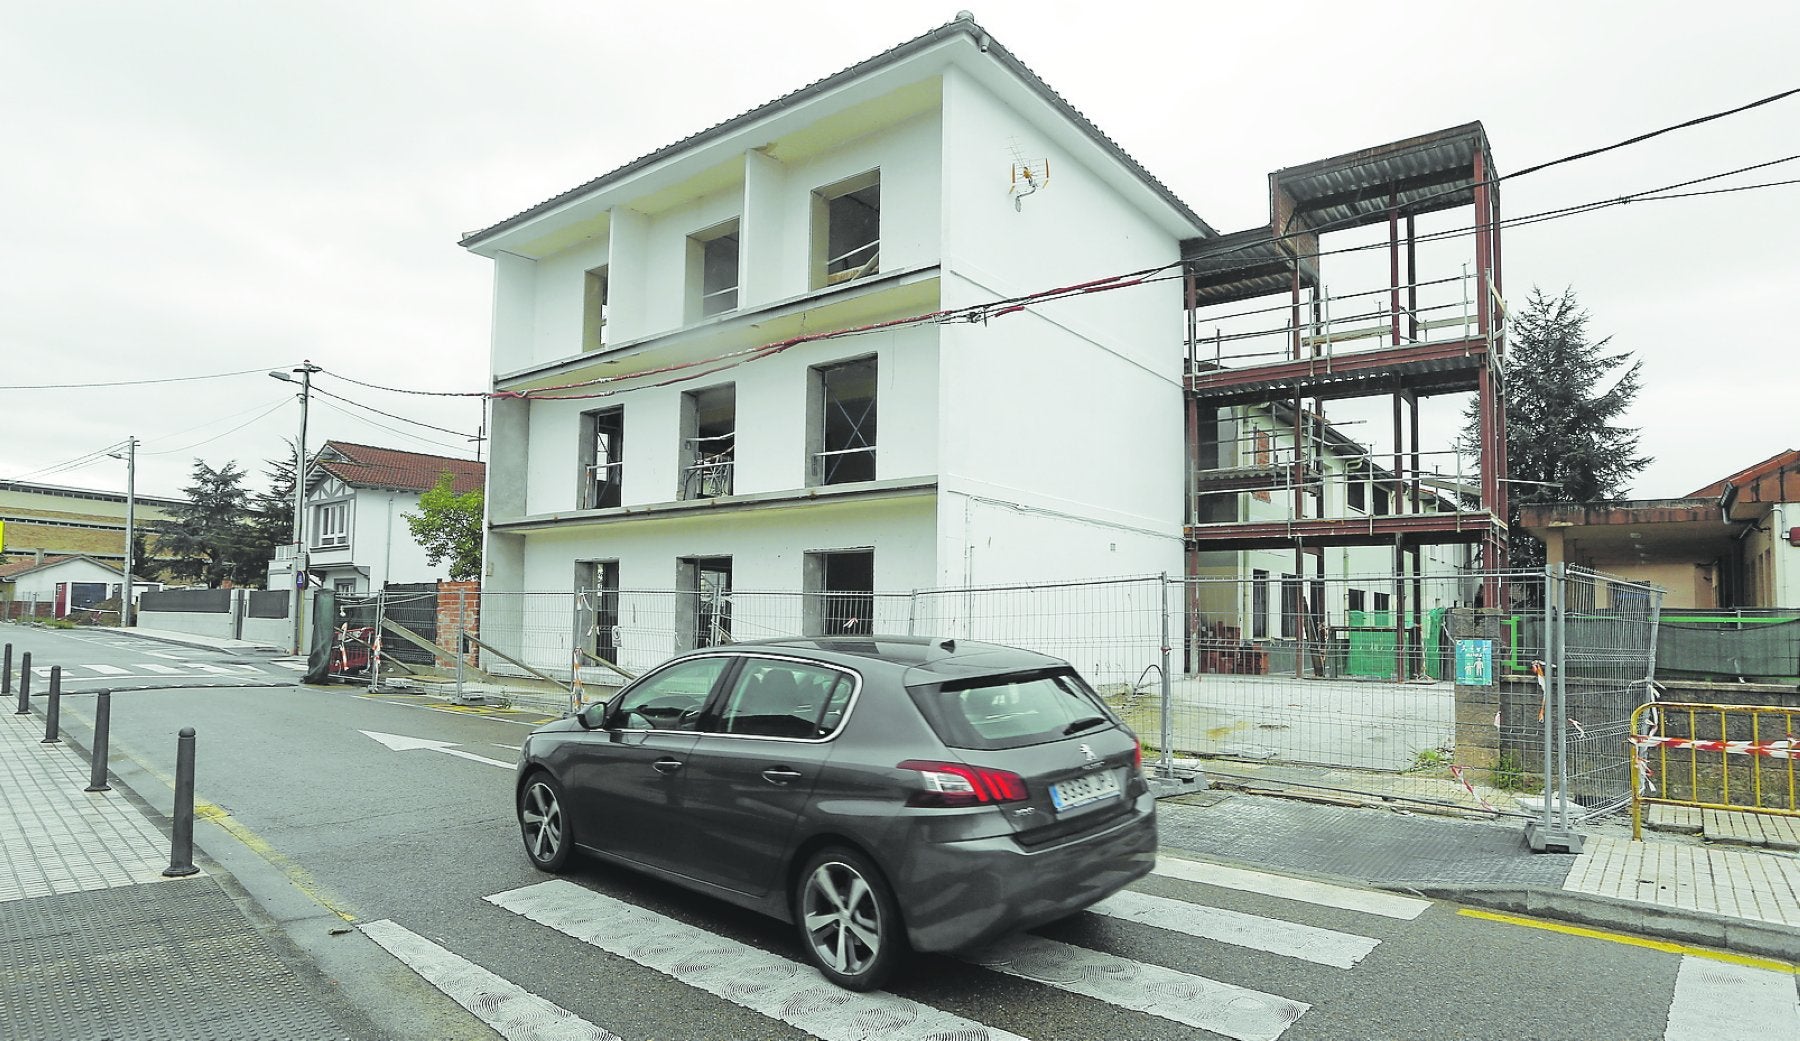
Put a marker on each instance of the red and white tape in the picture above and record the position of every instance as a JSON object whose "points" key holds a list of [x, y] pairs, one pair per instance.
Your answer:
{"points": [[1784, 749], [1457, 772]]}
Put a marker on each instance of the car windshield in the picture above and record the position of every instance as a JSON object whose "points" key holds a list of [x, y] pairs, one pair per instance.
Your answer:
{"points": [[1011, 711]]}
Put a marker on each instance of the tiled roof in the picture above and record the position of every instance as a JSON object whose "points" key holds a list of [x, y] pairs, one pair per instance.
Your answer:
{"points": [[365, 466], [1750, 478], [24, 567], [962, 24]]}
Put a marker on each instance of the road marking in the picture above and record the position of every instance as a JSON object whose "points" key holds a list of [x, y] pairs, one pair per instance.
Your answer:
{"points": [[166, 670], [1715, 1002], [762, 982], [1746, 960], [1274, 935], [400, 743], [165, 654], [515, 1013], [1195, 1001], [108, 670], [1324, 894]]}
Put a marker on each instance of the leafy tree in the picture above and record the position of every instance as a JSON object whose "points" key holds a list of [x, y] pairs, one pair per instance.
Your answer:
{"points": [[1563, 441], [448, 525], [209, 538]]}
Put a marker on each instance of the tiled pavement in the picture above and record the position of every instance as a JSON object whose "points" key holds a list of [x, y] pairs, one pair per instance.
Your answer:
{"points": [[95, 944], [1739, 884]]}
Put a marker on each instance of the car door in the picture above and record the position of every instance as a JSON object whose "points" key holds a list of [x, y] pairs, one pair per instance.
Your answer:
{"points": [[752, 772], [626, 779]]}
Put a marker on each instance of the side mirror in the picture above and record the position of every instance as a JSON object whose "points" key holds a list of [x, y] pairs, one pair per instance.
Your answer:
{"points": [[593, 717]]}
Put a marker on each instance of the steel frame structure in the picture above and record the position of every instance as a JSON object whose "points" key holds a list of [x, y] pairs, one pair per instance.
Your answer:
{"points": [[1393, 184]]}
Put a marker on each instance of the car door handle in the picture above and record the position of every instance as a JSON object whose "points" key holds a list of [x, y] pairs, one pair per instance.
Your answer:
{"points": [[780, 775], [666, 766]]}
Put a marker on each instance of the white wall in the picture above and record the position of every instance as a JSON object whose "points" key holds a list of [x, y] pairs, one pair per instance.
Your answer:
{"points": [[380, 540], [39, 587], [1071, 410], [538, 304], [771, 423]]}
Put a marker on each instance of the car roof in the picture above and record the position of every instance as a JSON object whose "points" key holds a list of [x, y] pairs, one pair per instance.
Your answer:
{"points": [[923, 659]]}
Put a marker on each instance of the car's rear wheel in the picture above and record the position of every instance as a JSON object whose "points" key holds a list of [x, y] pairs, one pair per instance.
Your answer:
{"points": [[548, 841], [849, 923]]}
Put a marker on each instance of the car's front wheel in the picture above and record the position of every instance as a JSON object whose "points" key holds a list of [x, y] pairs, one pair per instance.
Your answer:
{"points": [[849, 923], [543, 825]]}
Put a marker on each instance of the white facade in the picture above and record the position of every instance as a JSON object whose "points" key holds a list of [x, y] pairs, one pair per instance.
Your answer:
{"points": [[1039, 445], [39, 585], [358, 542]]}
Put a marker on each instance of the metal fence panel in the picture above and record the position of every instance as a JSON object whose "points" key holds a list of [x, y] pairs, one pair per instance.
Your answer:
{"points": [[1352, 683]]}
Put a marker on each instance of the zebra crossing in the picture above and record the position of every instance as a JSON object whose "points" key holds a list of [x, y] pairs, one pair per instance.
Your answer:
{"points": [[176, 668], [1710, 999], [790, 992]]}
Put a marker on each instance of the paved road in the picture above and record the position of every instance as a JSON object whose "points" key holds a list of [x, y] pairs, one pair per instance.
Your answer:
{"points": [[416, 846]]}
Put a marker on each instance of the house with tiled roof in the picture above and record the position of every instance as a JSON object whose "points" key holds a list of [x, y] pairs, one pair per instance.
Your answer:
{"points": [[57, 586], [356, 495]]}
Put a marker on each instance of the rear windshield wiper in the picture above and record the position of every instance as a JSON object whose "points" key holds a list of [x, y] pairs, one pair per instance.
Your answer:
{"points": [[1083, 724]]}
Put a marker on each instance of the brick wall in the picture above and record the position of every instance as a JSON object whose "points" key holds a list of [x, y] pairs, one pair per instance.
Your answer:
{"points": [[458, 611]]}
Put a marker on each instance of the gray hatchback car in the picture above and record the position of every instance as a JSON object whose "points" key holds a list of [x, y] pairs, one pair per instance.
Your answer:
{"points": [[884, 794]]}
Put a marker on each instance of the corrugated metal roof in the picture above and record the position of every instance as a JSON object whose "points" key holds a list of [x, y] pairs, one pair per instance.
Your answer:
{"points": [[959, 26], [1421, 174]]}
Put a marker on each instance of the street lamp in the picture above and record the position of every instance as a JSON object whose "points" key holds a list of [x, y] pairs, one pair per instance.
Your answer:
{"points": [[306, 369], [130, 458]]}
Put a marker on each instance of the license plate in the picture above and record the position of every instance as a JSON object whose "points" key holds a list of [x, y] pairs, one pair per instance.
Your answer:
{"points": [[1088, 788]]}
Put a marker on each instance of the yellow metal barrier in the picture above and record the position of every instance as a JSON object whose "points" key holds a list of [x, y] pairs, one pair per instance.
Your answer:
{"points": [[1709, 744]]}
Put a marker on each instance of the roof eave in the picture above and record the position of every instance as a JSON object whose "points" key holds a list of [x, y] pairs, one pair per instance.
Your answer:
{"points": [[492, 239]]}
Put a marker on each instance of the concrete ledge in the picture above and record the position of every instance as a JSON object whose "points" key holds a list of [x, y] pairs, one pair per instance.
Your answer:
{"points": [[211, 643], [1738, 935]]}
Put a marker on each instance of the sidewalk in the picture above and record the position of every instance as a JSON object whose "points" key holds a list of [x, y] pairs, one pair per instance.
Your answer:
{"points": [[1673, 886], [96, 943], [217, 643]]}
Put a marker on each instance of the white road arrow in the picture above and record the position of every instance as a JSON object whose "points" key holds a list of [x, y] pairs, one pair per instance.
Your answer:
{"points": [[407, 744]]}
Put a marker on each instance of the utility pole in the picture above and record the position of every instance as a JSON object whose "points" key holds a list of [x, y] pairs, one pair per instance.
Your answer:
{"points": [[130, 458], [295, 600]]}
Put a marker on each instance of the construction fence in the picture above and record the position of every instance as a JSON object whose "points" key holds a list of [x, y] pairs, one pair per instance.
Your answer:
{"points": [[1400, 689]]}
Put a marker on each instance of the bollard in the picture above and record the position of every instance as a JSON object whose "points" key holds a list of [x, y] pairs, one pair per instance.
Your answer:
{"points": [[24, 685], [181, 844], [102, 726], [53, 711], [6, 673]]}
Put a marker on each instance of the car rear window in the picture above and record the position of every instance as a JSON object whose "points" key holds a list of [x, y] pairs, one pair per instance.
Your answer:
{"points": [[1012, 711]]}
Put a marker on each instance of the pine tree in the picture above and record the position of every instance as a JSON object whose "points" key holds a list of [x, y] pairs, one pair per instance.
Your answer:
{"points": [[271, 516], [1563, 440], [209, 540]]}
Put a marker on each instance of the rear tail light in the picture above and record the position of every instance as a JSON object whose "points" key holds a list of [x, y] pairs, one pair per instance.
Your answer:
{"points": [[955, 784], [1137, 755]]}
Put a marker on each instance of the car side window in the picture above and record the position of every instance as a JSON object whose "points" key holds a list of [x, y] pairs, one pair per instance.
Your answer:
{"points": [[671, 699], [785, 699]]}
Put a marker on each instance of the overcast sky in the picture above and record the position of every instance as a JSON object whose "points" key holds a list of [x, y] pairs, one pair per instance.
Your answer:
{"points": [[201, 188]]}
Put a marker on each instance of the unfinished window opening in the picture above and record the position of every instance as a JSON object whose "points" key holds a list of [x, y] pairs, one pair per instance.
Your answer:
{"points": [[840, 586], [841, 422], [713, 271], [593, 310], [1357, 494], [1358, 603], [1384, 602], [1291, 607], [708, 442], [597, 599], [1383, 500], [705, 583], [1259, 605], [846, 230], [602, 458]]}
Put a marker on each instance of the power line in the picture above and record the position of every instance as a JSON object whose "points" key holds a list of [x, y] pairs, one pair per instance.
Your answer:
{"points": [[266, 412], [1654, 133], [68, 464], [390, 415], [382, 426], [127, 383]]}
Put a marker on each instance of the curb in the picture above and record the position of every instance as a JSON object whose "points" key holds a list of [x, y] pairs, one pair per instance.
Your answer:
{"points": [[203, 643], [1704, 928]]}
